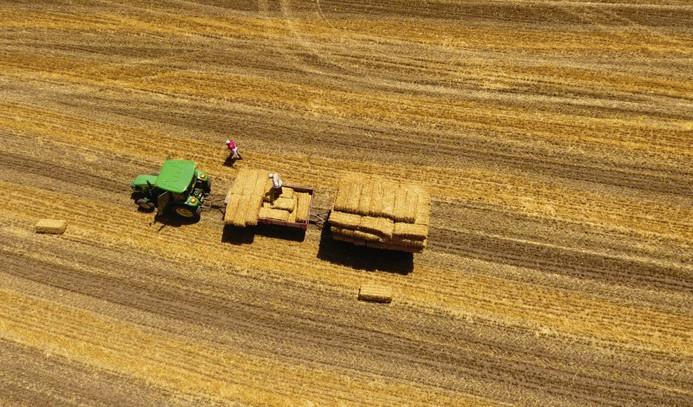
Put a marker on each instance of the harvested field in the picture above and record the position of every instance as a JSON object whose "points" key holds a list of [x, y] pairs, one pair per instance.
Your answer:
{"points": [[556, 139]]}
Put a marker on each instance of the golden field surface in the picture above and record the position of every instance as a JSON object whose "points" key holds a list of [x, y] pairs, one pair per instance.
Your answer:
{"points": [[556, 138]]}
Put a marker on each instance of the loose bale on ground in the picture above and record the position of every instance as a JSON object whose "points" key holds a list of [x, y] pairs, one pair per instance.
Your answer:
{"points": [[375, 293], [53, 226]]}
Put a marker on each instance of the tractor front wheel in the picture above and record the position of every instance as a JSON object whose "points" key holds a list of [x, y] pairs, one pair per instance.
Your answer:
{"points": [[145, 204]]}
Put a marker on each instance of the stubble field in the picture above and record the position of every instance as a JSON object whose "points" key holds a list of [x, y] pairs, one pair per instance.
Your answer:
{"points": [[556, 138]]}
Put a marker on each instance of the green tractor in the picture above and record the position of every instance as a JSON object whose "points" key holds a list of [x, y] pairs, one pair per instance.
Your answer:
{"points": [[179, 186]]}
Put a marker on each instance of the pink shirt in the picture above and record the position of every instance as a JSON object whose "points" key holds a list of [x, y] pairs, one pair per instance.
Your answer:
{"points": [[232, 145]]}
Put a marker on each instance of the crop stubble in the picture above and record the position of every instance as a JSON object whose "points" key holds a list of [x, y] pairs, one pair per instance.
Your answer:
{"points": [[555, 139]]}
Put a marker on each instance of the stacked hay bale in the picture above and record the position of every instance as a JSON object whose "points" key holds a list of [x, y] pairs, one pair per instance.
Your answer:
{"points": [[382, 213], [251, 198], [287, 205], [245, 197]]}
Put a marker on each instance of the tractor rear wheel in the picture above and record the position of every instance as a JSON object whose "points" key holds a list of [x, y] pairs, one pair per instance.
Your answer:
{"points": [[184, 211], [145, 204]]}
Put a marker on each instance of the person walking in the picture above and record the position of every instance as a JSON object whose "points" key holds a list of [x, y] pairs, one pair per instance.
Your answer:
{"points": [[234, 150]]}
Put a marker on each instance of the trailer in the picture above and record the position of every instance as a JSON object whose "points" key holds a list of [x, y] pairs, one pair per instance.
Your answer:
{"points": [[252, 199]]}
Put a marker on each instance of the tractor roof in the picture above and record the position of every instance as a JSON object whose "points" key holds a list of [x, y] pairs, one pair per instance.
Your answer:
{"points": [[176, 175]]}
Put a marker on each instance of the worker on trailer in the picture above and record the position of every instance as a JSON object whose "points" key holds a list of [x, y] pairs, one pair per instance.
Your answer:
{"points": [[234, 150], [276, 185]]}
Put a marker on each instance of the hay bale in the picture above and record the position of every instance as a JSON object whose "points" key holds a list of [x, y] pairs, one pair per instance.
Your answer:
{"points": [[348, 193], [345, 220], [253, 210], [423, 209], [400, 203], [276, 214], [380, 226], [376, 204], [356, 234], [389, 194], [284, 204], [392, 246], [52, 226], [375, 293], [287, 193], [348, 239], [239, 215], [302, 206], [365, 196], [413, 243], [231, 208], [292, 216], [410, 231]]}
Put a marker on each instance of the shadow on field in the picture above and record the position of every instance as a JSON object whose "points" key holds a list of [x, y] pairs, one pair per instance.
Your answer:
{"points": [[246, 235], [171, 219], [238, 236], [361, 257]]}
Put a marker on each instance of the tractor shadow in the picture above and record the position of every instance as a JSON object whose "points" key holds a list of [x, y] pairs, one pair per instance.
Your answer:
{"points": [[171, 219], [246, 235], [361, 257]]}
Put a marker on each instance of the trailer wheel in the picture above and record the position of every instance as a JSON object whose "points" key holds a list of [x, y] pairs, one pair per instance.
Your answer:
{"points": [[145, 204]]}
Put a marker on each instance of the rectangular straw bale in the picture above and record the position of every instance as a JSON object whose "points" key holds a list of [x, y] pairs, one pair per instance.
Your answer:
{"points": [[379, 226], [423, 209], [348, 193], [276, 214], [259, 185], [400, 209], [413, 196], [376, 206], [237, 216], [389, 193], [375, 293], [292, 216], [343, 219], [365, 196], [409, 242], [391, 246], [348, 239], [231, 208], [348, 187], [253, 210], [245, 181], [284, 204], [356, 234], [53, 226], [410, 231], [287, 192], [302, 206]]}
